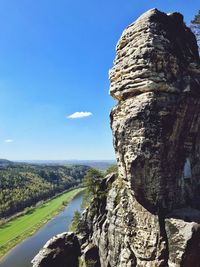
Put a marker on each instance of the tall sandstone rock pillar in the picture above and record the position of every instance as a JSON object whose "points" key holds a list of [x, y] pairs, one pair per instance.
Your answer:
{"points": [[149, 214], [156, 128]]}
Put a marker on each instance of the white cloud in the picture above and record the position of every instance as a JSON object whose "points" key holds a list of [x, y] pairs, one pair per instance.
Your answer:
{"points": [[79, 115], [8, 141]]}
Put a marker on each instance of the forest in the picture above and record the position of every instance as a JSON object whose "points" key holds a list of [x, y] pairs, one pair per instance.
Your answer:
{"points": [[24, 185]]}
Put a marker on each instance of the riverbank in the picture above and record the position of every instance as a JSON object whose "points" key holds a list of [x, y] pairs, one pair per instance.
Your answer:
{"points": [[20, 228]]}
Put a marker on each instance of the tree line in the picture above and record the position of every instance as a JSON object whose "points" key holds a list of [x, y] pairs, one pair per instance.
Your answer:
{"points": [[23, 185]]}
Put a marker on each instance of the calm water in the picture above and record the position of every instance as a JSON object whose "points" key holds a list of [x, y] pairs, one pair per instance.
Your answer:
{"points": [[23, 253]]}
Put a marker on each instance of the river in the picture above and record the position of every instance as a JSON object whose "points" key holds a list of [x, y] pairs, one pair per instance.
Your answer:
{"points": [[22, 254]]}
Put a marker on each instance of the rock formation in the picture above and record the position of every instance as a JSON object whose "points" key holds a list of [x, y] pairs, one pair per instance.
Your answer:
{"points": [[149, 214], [156, 78], [62, 250]]}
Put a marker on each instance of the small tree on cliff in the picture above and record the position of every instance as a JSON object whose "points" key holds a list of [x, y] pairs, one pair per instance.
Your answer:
{"points": [[74, 224], [195, 26], [91, 181]]}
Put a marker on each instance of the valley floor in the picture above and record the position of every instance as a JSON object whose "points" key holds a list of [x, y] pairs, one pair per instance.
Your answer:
{"points": [[18, 229]]}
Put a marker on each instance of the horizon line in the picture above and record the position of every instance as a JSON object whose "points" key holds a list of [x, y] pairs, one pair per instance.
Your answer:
{"points": [[60, 159]]}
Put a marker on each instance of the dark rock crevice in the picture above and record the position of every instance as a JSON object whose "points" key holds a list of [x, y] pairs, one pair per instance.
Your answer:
{"points": [[191, 256]]}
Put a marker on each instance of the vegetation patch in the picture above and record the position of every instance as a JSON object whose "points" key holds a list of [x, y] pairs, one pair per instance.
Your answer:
{"points": [[75, 221], [24, 185]]}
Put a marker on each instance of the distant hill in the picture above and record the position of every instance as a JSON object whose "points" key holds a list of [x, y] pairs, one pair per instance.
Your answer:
{"points": [[23, 185], [97, 164], [5, 163]]}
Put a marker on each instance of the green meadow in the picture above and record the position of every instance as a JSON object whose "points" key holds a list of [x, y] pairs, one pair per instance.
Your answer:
{"points": [[18, 229]]}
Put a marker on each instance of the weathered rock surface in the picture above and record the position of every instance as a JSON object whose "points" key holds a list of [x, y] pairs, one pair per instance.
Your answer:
{"points": [[62, 250], [149, 214], [156, 122], [157, 53]]}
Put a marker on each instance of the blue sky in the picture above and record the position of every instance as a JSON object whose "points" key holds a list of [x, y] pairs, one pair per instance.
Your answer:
{"points": [[54, 61]]}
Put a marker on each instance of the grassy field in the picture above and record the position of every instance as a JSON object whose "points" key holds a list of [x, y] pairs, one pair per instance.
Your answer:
{"points": [[18, 229]]}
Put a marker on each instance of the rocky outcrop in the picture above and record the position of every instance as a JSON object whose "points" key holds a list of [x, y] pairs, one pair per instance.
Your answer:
{"points": [[149, 214], [156, 77], [62, 250], [157, 53]]}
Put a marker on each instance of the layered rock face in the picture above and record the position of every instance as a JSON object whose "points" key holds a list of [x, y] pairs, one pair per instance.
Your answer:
{"points": [[152, 209], [156, 78], [149, 214]]}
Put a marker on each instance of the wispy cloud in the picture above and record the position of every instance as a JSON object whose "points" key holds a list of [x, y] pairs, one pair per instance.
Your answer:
{"points": [[8, 140], [79, 115]]}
